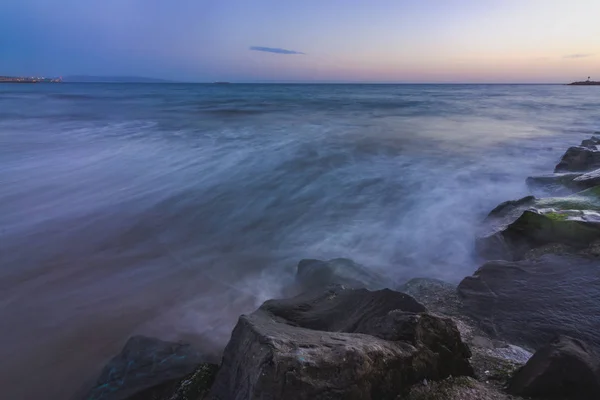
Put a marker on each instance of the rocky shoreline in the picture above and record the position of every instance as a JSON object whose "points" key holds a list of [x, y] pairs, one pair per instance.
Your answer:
{"points": [[526, 324]]}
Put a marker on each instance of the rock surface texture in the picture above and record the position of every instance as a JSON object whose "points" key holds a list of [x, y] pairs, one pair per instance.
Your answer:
{"points": [[564, 368], [530, 301], [579, 159], [515, 228], [338, 343]]}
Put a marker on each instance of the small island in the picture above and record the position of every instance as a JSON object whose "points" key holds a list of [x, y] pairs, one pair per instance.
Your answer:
{"points": [[588, 82]]}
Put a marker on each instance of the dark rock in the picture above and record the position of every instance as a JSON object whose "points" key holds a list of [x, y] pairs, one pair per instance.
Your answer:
{"points": [[551, 248], [492, 359], [591, 143], [529, 302], [537, 228], [579, 159], [338, 343], [461, 388], [313, 274], [436, 295], [146, 368], [558, 184], [564, 368], [509, 207], [587, 180], [194, 387]]}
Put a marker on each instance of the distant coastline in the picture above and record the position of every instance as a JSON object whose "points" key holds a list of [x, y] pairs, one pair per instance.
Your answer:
{"points": [[30, 79], [112, 79], [589, 82]]}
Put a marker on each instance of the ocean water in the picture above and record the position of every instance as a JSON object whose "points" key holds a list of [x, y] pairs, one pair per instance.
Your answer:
{"points": [[169, 210]]}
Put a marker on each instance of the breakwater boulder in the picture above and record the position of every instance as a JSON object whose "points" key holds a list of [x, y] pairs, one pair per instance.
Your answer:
{"points": [[578, 159], [530, 301], [565, 368], [514, 229], [339, 343]]}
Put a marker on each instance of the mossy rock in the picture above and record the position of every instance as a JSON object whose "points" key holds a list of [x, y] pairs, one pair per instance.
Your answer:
{"points": [[575, 228], [515, 228]]}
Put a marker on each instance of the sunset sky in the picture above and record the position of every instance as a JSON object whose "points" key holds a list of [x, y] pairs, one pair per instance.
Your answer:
{"points": [[305, 40]]}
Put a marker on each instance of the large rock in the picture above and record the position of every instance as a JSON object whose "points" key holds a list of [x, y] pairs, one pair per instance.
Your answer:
{"points": [[149, 368], [530, 301], [338, 343], [313, 274], [564, 368], [579, 159], [515, 228]]}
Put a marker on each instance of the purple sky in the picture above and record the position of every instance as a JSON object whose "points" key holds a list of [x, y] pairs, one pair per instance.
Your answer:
{"points": [[308, 40]]}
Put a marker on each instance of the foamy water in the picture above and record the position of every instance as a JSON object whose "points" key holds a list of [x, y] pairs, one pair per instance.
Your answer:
{"points": [[171, 209]]}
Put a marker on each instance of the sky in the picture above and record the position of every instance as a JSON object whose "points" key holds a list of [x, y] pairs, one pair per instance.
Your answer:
{"points": [[404, 41]]}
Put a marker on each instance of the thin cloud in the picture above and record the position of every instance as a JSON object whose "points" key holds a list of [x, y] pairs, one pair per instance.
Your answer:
{"points": [[275, 50], [578, 55]]}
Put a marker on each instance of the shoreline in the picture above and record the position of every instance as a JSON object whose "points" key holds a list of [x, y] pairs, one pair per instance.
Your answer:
{"points": [[520, 242]]}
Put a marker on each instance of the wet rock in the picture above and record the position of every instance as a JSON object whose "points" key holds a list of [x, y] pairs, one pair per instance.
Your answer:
{"points": [[551, 248], [313, 274], [511, 207], [587, 180], [591, 143], [436, 295], [461, 388], [547, 296], [558, 184], [492, 359], [194, 387], [338, 343], [147, 368], [565, 368], [579, 159], [533, 229], [572, 221]]}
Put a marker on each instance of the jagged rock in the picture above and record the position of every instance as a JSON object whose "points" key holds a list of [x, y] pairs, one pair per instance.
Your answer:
{"points": [[550, 295], [565, 368], [316, 273], [461, 388], [492, 359], [146, 369], [338, 343], [579, 159]]}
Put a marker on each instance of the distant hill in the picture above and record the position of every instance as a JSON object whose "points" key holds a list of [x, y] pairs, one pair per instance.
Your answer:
{"points": [[112, 79]]}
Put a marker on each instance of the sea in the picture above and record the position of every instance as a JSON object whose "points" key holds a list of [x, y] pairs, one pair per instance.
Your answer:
{"points": [[170, 209]]}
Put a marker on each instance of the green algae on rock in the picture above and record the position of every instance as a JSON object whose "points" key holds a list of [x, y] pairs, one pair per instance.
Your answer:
{"points": [[514, 228]]}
